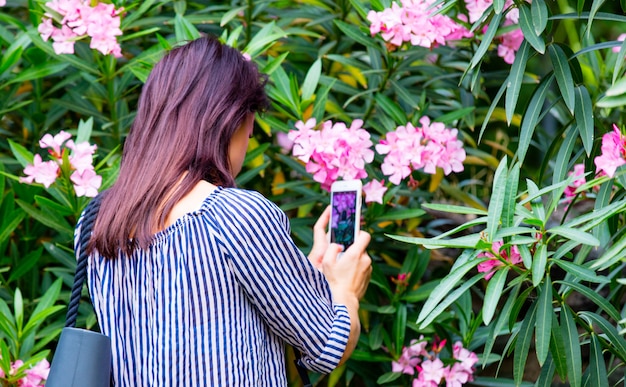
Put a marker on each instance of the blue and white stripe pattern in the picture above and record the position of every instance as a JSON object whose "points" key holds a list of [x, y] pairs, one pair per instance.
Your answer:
{"points": [[214, 299]]}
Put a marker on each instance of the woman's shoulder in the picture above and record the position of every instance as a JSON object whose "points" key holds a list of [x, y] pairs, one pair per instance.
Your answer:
{"points": [[245, 203]]}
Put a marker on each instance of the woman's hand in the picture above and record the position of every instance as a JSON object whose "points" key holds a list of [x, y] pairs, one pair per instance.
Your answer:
{"points": [[320, 239]]}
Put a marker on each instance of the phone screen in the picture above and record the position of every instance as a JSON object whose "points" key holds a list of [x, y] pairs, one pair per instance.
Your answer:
{"points": [[343, 218]]}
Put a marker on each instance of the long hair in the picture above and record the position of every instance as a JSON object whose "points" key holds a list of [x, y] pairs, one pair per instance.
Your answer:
{"points": [[194, 100]]}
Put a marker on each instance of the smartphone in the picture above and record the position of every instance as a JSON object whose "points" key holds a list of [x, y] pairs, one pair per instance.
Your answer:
{"points": [[345, 218]]}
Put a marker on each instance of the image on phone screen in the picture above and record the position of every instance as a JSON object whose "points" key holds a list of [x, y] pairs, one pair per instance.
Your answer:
{"points": [[343, 218]]}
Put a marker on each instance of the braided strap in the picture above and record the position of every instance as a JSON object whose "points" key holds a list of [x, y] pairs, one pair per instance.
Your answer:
{"points": [[89, 218]]}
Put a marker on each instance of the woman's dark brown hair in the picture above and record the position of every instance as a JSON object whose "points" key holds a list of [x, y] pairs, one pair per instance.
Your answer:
{"points": [[194, 100]]}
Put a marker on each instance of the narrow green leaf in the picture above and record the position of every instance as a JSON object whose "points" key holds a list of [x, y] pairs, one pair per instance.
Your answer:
{"points": [[498, 6], [388, 377], [531, 116], [267, 35], [528, 28], [522, 345], [9, 225], [557, 349], [581, 272], [311, 80], [497, 200], [401, 214], [450, 299], [539, 12], [21, 154], [468, 242], [496, 328], [184, 29], [454, 209], [574, 234], [611, 102], [609, 331], [18, 308], [563, 75], [492, 107], [618, 88], [583, 113], [515, 79], [543, 329], [356, 34], [320, 101], [614, 254], [540, 259], [231, 14], [27, 262], [569, 332], [445, 286], [595, 298], [486, 41], [391, 109], [399, 326], [61, 226], [547, 373], [597, 367], [561, 163], [493, 294], [274, 63], [595, 7]]}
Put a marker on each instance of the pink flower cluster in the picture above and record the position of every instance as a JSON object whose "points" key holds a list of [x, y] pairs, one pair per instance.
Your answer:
{"points": [[620, 38], [426, 147], [417, 22], [491, 265], [510, 41], [431, 370], [78, 19], [335, 151], [613, 152], [84, 178], [35, 376]]}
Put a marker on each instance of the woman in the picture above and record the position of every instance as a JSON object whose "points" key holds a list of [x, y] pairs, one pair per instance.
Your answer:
{"points": [[198, 282]]}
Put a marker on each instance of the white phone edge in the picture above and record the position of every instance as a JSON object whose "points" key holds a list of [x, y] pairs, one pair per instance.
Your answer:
{"points": [[344, 186]]}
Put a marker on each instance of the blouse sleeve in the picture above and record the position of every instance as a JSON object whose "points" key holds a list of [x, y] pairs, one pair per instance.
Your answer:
{"points": [[292, 296]]}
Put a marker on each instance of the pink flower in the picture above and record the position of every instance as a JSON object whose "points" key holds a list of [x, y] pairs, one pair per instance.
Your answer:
{"points": [[374, 191], [86, 183], [55, 143], [45, 29], [455, 375], [410, 357], [477, 8], [64, 39], [335, 151], [82, 155], [36, 375], [620, 38], [510, 42], [42, 172], [491, 265], [579, 173], [430, 373], [613, 152], [465, 358], [3, 3]]}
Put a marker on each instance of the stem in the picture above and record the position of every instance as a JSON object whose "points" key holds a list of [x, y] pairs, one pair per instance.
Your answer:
{"points": [[391, 67], [568, 25], [248, 17]]}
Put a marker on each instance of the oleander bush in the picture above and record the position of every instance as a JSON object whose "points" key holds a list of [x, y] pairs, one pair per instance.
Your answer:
{"points": [[489, 136]]}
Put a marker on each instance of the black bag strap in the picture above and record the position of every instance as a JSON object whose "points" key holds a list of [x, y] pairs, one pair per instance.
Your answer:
{"points": [[301, 370], [89, 218]]}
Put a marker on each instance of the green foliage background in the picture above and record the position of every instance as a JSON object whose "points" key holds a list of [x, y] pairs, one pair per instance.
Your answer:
{"points": [[558, 318]]}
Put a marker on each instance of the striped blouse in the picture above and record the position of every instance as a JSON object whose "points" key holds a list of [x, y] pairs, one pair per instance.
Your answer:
{"points": [[214, 299]]}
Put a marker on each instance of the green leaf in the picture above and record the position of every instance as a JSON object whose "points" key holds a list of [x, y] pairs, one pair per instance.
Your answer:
{"points": [[454, 209], [311, 80], [547, 373], [569, 332], [543, 329], [496, 329], [399, 326], [231, 14], [510, 194], [561, 163], [609, 332], [486, 41], [539, 12], [38, 72], [445, 286], [583, 113], [356, 34], [522, 345], [574, 234], [594, 297], [388, 377], [58, 224], [391, 109], [563, 75], [401, 214], [184, 29], [611, 102], [514, 80], [18, 308], [468, 242], [596, 370], [497, 200], [21, 154], [540, 259], [614, 254], [580, 272], [557, 349], [27, 262], [531, 116], [493, 294], [528, 28]]}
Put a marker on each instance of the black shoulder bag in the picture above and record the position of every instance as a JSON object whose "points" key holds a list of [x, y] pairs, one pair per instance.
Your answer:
{"points": [[82, 357]]}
